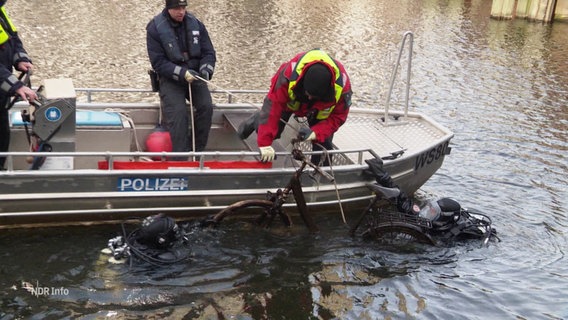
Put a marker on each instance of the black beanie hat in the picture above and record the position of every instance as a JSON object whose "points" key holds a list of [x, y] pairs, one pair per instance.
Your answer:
{"points": [[170, 4], [317, 81]]}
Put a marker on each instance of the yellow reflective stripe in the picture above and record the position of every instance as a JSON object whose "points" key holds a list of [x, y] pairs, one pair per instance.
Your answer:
{"points": [[338, 91], [324, 114], [294, 105], [316, 55], [4, 35], [5, 14]]}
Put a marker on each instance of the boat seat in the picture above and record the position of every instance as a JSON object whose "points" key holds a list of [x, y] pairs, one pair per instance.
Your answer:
{"points": [[234, 119], [83, 118]]}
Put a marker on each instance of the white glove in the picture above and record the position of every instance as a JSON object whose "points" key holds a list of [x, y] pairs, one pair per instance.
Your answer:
{"points": [[312, 136], [266, 154], [189, 76], [306, 134]]}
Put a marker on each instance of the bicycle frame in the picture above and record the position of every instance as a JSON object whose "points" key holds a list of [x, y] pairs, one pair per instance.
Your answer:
{"points": [[273, 203]]}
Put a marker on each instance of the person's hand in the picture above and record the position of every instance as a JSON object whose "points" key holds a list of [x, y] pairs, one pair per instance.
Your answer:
{"points": [[266, 154], [27, 94], [190, 76], [205, 75], [306, 134], [206, 71], [25, 66]]}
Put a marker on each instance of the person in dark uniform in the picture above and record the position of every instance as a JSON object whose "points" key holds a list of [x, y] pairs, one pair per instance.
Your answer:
{"points": [[180, 49], [12, 55]]}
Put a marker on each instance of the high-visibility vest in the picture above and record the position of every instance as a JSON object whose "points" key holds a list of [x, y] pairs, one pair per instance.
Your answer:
{"points": [[308, 57]]}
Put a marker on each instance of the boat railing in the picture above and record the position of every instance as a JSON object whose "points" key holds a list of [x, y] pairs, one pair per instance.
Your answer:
{"points": [[408, 36], [200, 157], [89, 92], [229, 95]]}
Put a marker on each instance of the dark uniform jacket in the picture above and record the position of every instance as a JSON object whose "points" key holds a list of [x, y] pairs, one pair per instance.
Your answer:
{"points": [[173, 47]]}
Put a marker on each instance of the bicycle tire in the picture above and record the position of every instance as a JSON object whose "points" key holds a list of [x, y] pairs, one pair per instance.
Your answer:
{"points": [[397, 233], [252, 206]]}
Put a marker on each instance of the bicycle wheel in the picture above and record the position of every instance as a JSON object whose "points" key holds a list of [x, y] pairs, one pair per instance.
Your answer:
{"points": [[262, 208], [397, 233]]}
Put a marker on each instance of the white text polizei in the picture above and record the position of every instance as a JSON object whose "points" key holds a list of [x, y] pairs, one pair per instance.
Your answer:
{"points": [[152, 184]]}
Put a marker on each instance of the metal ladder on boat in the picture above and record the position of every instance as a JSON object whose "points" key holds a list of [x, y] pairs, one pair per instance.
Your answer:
{"points": [[408, 35]]}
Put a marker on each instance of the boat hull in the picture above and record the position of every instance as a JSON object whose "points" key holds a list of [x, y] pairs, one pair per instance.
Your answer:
{"points": [[100, 196], [73, 187]]}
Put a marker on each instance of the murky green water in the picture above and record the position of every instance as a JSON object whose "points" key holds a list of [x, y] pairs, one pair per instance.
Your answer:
{"points": [[501, 86]]}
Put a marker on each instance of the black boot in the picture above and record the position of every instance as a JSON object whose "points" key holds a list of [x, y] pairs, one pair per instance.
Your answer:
{"points": [[404, 203], [247, 127]]}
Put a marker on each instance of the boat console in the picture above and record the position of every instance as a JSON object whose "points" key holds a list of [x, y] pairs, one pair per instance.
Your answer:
{"points": [[58, 126]]}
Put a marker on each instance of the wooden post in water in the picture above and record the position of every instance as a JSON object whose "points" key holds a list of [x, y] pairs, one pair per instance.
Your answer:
{"points": [[561, 10], [538, 10], [503, 9]]}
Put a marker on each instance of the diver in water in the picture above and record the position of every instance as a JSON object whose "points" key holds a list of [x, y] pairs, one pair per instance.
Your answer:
{"points": [[159, 241]]}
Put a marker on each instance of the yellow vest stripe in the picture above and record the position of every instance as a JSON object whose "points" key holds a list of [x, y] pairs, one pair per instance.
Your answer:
{"points": [[5, 34]]}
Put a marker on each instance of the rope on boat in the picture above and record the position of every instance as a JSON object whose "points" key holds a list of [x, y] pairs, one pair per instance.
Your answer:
{"points": [[328, 157], [221, 89], [335, 186], [126, 116], [192, 119]]}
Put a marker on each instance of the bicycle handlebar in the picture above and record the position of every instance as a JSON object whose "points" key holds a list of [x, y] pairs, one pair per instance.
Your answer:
{"points": [[320, 171], [299, 155]]}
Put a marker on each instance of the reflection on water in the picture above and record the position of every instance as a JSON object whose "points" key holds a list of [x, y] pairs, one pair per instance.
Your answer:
{"points": [[501, 86], [232, 271]]}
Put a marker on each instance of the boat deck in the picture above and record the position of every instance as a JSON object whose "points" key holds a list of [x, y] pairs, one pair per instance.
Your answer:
{"points": [[365, 129], [399, 135]]}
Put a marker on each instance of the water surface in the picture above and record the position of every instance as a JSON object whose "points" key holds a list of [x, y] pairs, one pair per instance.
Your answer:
{"points": [[501, 86]]}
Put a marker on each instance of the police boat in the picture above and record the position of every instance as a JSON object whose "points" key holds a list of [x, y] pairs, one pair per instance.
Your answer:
{"points": [[91, 155]]}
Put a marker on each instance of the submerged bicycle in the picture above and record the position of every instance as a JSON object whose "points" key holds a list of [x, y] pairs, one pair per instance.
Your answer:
{"points": [[438, 222], [272, 205]]}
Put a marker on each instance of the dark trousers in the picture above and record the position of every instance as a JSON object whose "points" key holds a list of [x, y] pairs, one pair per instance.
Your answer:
{"points": [[327, 145], [4, 130], [176, 114]]}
